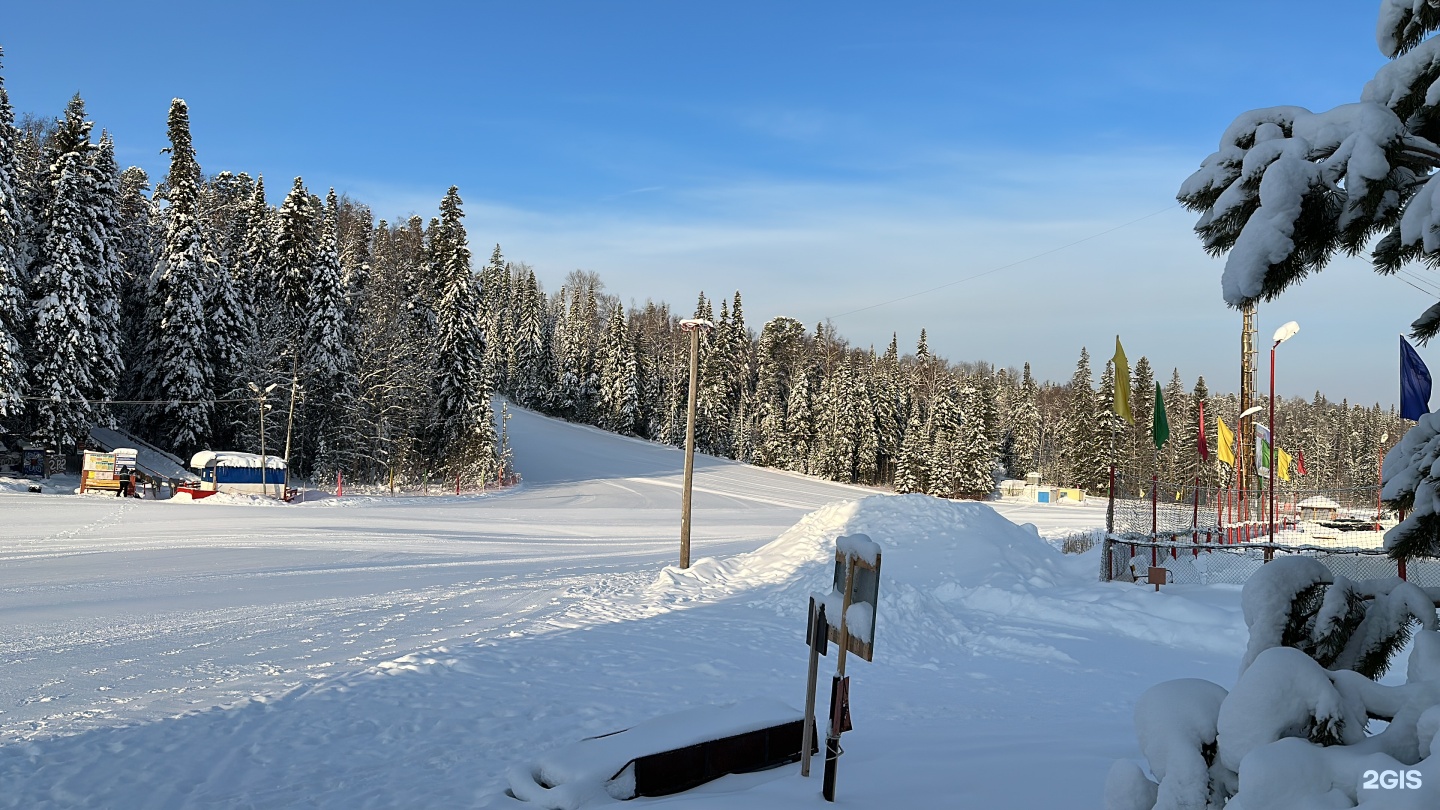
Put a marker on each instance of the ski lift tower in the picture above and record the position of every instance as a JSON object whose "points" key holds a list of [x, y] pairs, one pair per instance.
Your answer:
{"points": [[1244, 455]]}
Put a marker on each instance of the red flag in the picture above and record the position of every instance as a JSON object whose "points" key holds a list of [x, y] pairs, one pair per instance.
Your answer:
{"points": [[1300, 468], [1204, 446]]}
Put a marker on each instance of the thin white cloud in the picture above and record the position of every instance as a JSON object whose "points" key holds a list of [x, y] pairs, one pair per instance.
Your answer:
{"points": [[819, 250]]}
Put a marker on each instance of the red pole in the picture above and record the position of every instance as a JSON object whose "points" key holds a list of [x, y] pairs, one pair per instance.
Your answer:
{"points": [[1270, 552], [1401, 564], [1110, 504], [1195, 520], [339, 483], [457, 483], [1154, 501]]}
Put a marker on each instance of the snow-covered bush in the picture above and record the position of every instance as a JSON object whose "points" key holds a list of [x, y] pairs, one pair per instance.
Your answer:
{"points": [[1294, 730], [1411, 483]]}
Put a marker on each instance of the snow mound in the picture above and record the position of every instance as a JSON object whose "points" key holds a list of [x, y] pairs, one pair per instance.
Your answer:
{"points": [[573, 776], [227, 499], [933, 545], [935, 552]]}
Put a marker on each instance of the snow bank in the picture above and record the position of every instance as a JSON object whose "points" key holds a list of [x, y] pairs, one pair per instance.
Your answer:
{"points": [[945, 562], [226, 499], [569, 777]]}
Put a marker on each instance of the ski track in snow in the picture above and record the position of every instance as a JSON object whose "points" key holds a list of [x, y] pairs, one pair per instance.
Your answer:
{"points": [[382, 652]]}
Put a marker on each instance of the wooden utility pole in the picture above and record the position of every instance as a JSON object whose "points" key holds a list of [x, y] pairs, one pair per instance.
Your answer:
{"points": [[694, 326], [290, 422]]}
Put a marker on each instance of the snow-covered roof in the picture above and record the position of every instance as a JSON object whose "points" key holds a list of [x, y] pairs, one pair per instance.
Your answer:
{"points": [[1318, 502], [230, 458]]}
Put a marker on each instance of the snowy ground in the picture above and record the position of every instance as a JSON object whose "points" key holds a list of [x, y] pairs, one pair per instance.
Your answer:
{"points": [[369, 652]]}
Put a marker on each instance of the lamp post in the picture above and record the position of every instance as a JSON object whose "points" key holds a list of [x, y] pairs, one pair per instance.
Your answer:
{"points": [[1245, 453], [1281, 335], [694, 326], [260, 397]]}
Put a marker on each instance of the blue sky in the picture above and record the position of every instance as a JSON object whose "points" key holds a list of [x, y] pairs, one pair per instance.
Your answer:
{"points": [[820, 158]]}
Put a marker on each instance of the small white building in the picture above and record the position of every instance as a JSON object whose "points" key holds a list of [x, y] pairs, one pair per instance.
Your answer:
{"points": [[1318, 507]]}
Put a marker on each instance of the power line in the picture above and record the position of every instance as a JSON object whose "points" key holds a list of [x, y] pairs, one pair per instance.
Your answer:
{"points": [[137, 401], [1406, 277], [1011, 264]]}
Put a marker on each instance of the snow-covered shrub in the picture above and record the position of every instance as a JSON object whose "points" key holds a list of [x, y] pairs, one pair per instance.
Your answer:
{"points": [[1293, 732], [1411, 482]]}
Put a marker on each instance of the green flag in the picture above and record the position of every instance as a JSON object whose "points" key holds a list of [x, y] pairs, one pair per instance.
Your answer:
{"points": [[1161, 430]]}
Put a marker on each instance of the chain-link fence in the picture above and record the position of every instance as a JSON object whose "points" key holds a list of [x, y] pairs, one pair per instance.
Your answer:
{"points": [[1128, 559], [1323, 518]]}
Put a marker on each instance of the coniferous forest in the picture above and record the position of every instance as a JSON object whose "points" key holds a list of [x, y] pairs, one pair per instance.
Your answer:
{"points": [[170, 305]]}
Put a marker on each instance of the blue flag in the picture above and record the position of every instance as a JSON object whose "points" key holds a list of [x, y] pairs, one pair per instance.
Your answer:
{"points": [[1414, 383]]}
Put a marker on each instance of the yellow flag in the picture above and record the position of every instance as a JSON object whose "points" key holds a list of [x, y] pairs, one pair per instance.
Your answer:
{"points": [[1282, 464], [1226, 450], [1122, 382]]}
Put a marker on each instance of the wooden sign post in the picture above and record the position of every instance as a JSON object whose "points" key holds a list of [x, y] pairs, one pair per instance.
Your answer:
{"points": [[853, 599]]}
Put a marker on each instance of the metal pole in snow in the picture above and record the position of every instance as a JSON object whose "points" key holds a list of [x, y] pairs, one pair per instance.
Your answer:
{"points": [[290, 423], [818, 630], [693, 326], [839, 694]]}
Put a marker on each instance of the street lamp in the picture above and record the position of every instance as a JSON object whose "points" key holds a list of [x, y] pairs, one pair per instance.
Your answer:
{"points": [[1281, 335], [694, 326], [260, 398]]}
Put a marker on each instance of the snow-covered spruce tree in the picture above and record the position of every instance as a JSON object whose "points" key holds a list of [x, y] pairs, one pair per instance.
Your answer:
{"points": [[105, 299], [464, 424], [178, 363], [780, 366], [619, 377], [941, 435], [800, 423], [64, 355], [1292, 733], [12, 292], [974, 452], [1114, 430], [296, 237], [394, 344], [499, 332], [1193, 466], [259, 336], [229, 318], [533, 375], [1289, 188], [889, 429], [715, 402], [833, 449], [1026, 425], [1181, 446], [137, 245], [912, 469], [329, 362], [1081, 450], [1412, 483], [1141, 457]]}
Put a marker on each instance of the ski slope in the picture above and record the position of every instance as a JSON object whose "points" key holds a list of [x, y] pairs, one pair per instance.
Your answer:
{"points": [[398, 652]]}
